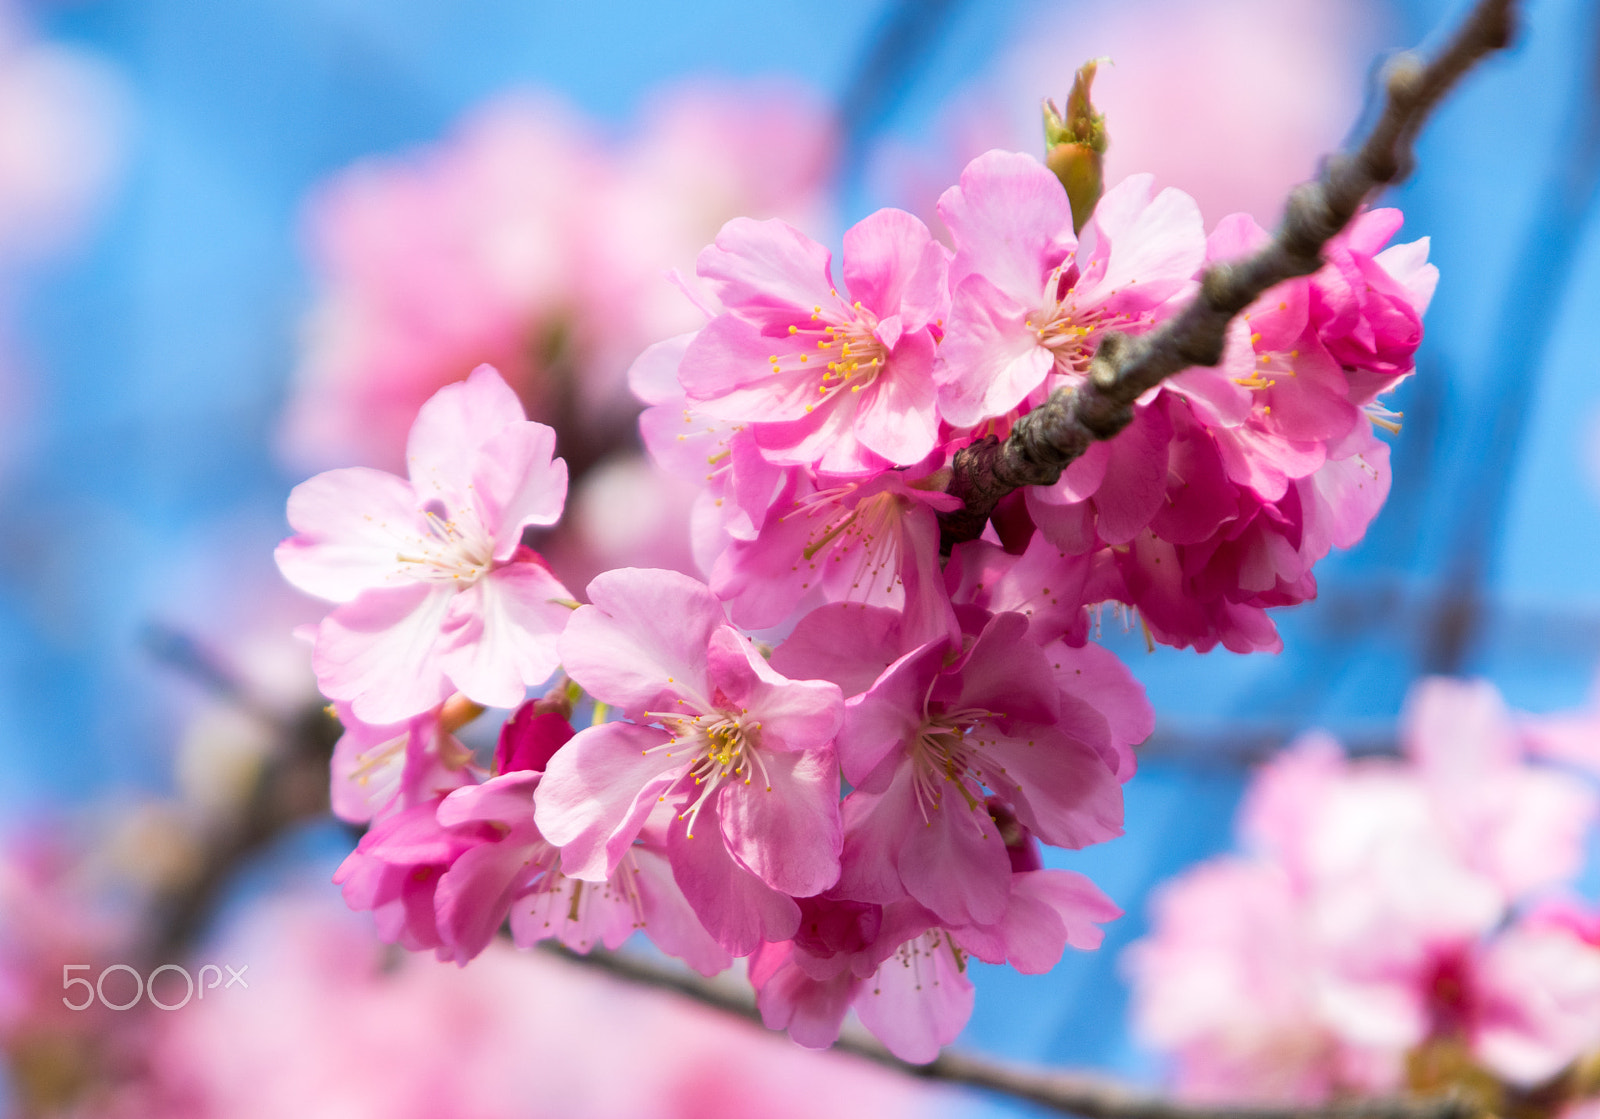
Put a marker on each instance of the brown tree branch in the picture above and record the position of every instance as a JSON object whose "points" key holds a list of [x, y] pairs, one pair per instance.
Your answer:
{"points": [[1068, 1093], [1046, 440]]}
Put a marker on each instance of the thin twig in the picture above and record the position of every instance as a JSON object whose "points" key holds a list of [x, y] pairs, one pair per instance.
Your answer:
{"points": [[1068, 1093], [1050, 437]]}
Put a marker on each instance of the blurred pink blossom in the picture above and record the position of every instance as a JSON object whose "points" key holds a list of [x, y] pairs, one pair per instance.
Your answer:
{"points": [[528, 241], [1385, 906], [332, 1027], [1232, 100]]}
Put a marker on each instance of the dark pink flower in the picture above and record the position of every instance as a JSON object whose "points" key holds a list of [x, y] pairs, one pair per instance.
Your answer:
{"points": [[942, 725]]}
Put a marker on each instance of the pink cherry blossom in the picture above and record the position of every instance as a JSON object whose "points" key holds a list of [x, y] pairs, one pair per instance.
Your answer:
{"points": [[1029, 299], [843, 383], [903, 973], [743, 755], [437, 593], [939, 726], [873, 541], [381, 770]]}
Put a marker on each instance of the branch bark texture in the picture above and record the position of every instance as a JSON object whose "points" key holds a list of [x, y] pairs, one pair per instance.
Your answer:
{"points": [[1046, 440]]}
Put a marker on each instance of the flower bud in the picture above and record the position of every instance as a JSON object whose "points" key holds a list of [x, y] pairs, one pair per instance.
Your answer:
{"points": [[1075, 145]]}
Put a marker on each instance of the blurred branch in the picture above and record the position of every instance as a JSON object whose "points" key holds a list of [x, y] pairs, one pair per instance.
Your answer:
{"points": [[1053, 435], [899, 47], [291, 786], [1067, 1093], [1548, 250]]}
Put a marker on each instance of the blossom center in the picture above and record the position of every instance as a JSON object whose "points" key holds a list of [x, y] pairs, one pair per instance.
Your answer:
{"points": [[1070, 331], [446, 548], [725, 749], [947, 752], [851, 355], [867, 531]]}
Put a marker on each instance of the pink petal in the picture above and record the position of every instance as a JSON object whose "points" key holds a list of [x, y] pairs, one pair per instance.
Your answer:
{"points": [[765, 268], [920, 999], [811, 1010], [669, 920], [504, 632], [443, 446], [990, 359], [381, 652], [955, 863], [517, 483], [788, 834], [350, 525], [1151, 248], [653, 376], [1011, 221], [894, 267], [473, 897], [597, 792], [1006, 673], [642, 644], [1063, 790], [737, 908], [897, 417], [845, 642]]}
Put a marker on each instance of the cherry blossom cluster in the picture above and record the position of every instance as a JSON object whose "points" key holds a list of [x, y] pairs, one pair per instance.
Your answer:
{"points": [[838, 756], [821, 422], [1395, 924]]}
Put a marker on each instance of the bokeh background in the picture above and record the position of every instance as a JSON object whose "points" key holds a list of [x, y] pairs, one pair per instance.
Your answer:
{"points": [[160, 157]]}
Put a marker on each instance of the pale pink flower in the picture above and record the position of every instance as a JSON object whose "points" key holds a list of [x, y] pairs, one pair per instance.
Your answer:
{"points": [[437, 593], [1228, 982], [742, 754], [380, 770], [842, 383]]}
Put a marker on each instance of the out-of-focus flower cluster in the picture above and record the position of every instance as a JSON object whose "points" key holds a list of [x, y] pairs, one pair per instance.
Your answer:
{"points": [[1396, 924], [322, 1022], [960, 706], [531, 240]]}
